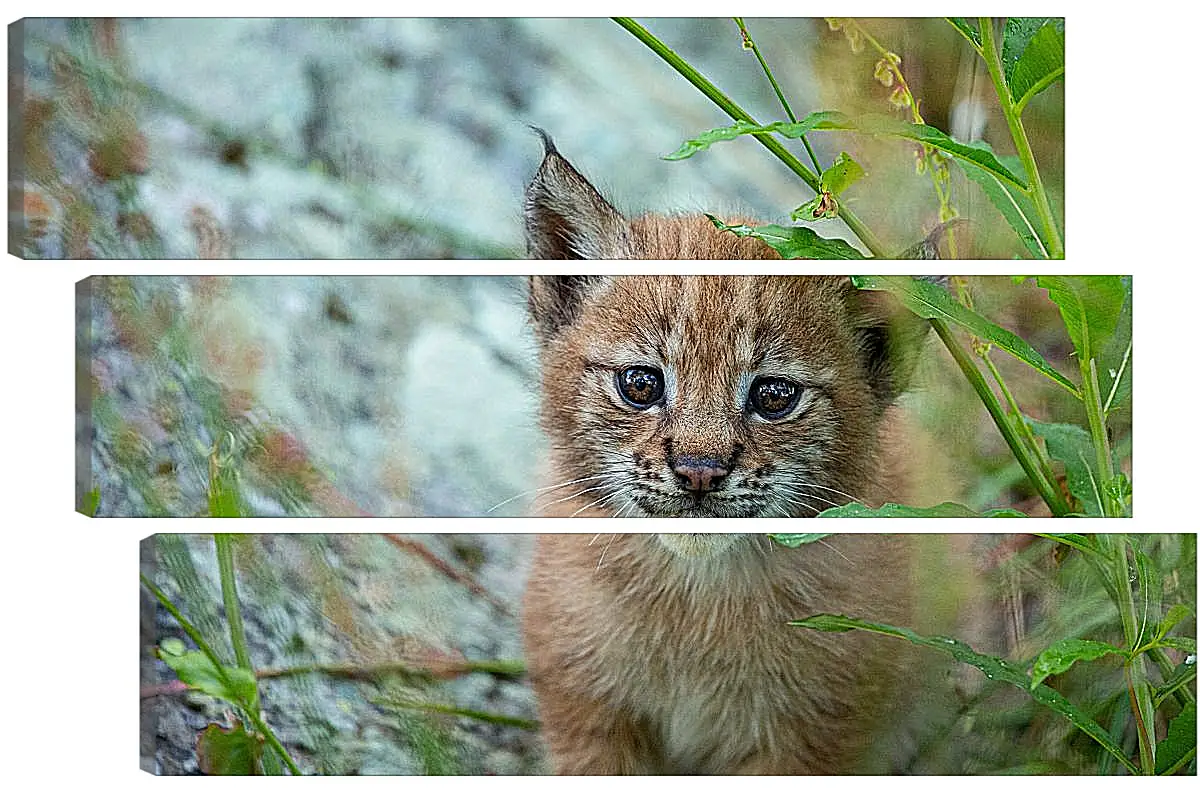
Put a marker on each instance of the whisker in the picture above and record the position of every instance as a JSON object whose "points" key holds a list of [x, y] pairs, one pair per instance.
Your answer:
{"points": [[594, 503], [539, 491], [604, 552]]}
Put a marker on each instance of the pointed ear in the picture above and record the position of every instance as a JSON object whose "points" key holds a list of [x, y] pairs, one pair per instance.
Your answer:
{"points": [[565, 217], [556, 300], [890, 338]]}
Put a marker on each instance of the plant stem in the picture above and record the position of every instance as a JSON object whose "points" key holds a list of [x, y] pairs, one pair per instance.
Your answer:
{"points": [[253, 715], [1135, 668], [1049, 492], [748, 41], [469, 713], [722, 101], [1018, 417], [276, 745], [233, 607], [191, 630], [370, 671], [1092, 403], [1037, 191]]}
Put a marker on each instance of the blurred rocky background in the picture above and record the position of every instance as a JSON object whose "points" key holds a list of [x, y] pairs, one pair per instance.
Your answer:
{"points": [[376, 654], [408, 138]]}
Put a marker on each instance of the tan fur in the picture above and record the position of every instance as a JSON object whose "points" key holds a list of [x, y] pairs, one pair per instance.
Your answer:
{"points": [[711, 336], [670, 653], [653, 656]]}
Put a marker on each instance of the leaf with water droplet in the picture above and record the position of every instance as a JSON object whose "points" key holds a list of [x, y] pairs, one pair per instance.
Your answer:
{"points": [[1061, 656]]}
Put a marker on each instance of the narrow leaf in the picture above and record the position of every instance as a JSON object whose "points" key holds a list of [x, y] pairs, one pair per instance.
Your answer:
{"points": [[793, 242], [1175, 615], [1114, 364], [1041, 65], [1019, 32], [860, 511], [1179, 747], [1079, 541], [1013, 207], [1061, 656], [1090, 306], [819, 120], [930, 301], [993, 668], [1150, 592], [1072, 445], [877, 125]]}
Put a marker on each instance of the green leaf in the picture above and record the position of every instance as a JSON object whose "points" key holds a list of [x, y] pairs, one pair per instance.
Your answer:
{"points": [[1183, 643], [841, 174], [1079, 541], [993, 668], [232, 684], [1018, 33], [860, 511], [1072, 445], [797, 539], [1114, 366], [1179, 747], [228, 751], [1150, 591], [793, 242], [1175, 615], [1032, 54], [818, 120], [930, 301], [91, 502], [877, 125], [1091, 308], [967, 30], [1015, 208], [1061, 656]]}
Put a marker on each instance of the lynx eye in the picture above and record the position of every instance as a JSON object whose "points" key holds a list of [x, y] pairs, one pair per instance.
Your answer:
{"points": [[773, 398], [641, 387]]}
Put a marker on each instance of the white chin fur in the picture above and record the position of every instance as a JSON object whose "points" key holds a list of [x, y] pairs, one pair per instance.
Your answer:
{"points": [[698, 545]]}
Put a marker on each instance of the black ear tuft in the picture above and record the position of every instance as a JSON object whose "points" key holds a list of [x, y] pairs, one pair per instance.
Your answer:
{"points": [[565, 217], [555, 301]]}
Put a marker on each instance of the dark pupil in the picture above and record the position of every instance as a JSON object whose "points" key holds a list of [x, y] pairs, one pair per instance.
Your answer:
{"points": [[640, 386], [774, 397]]}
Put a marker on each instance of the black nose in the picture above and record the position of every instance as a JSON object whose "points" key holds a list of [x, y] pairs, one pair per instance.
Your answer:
{"points": [[700, 474]]}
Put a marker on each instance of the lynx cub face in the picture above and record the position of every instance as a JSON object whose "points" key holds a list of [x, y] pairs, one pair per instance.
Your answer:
{"points": [[733, 396]]}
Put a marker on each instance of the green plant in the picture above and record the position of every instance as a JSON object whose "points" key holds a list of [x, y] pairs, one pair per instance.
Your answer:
{"points": [[1097, 313], [250, 747], [1023, 58], [220, 667], [1159, 713]]}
